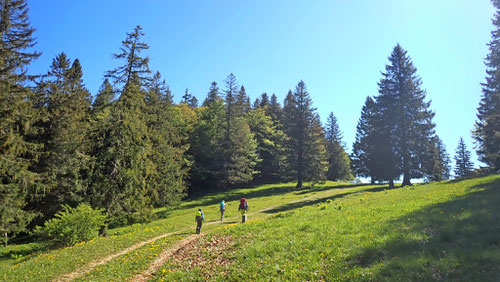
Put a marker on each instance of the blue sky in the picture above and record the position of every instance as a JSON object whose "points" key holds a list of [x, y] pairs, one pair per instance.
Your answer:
{"points": [[337, 47]]}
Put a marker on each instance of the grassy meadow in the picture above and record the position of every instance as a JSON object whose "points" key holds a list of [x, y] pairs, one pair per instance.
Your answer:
{"points": [[333, 231]]}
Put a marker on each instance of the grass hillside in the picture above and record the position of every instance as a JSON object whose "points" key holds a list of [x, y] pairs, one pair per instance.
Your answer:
{"points": [[440, 231]]}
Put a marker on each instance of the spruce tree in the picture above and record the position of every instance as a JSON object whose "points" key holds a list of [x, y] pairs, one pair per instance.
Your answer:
{"points": [[407, 120], [208, 148], [463, 163], [124, 167], [104, 97], [363, 155], [64, 134], [17, 151], [135, 67], [213, 95], [339, 163], [438, 162], [240, 157], [166, 183], [305, 150], [487, 128], [189, 99]]}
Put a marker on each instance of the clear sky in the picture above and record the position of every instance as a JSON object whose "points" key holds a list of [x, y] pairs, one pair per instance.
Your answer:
{"points": [[337, 47]]}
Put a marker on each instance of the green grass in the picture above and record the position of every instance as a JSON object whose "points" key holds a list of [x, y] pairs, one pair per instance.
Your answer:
{"points": [[31, 262], [440, 231]]}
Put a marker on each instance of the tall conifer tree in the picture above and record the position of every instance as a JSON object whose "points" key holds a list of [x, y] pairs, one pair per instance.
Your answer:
{"points": [[487, 129], [305, 150], [17, 180], [463, 163], [406, 117], [339, 163], [364, 154]]}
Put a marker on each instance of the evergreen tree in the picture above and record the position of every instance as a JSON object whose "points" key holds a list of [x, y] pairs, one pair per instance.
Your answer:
{"points": [[487, 128], [104, 97], [17, 179], [208, 148], [213, 95], [305, 151], [463, 163], [363, 156], [339, 164], [135, 66], [240, 157], [242, 102], [189, 99], [406, 116], [439, 162], [124, 165], [264, 100], [64, 133], [275, 111], [166, 183]]}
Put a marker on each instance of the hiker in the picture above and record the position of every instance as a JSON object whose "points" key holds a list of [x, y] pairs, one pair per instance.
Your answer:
{"points": [[200, 218], [243, 208], [222, 209]]}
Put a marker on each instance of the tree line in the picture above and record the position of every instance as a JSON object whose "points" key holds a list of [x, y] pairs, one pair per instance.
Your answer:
{"points": [[130, 148]]}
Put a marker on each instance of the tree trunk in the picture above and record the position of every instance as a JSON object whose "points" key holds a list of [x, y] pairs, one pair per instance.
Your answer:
{"points": [[406, 179], [6, 238], [299, 181], [391, 184], [372, 180]]}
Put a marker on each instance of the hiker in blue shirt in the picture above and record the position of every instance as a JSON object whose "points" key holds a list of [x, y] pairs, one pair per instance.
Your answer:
{"points": [[200, 218], [222, 209]]}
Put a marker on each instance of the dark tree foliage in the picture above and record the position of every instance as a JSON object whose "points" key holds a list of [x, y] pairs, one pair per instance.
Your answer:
{"points": [[463, 163], [487, 128], [406, 119], [213, 95], [135, 67], [17, 179], [339, 163], [189, 99], [123, 159], [104, 97], [166, 184], [305, 151], [64, 134], [240, 157], [438, 162], [363, 150], [208, 145]]}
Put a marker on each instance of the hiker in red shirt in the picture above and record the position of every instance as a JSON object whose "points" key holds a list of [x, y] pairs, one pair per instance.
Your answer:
{"points": [[243, 208]]}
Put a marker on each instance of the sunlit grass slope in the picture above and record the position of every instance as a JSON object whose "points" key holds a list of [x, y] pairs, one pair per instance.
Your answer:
{"points": [[439, 231], [32, 262]]}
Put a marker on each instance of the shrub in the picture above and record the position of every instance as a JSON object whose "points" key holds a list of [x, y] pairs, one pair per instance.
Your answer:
{"points": [[72, 225]]}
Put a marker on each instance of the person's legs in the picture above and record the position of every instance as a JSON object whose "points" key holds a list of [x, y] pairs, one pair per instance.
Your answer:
{"points": [[198, 227], [221, 215]]}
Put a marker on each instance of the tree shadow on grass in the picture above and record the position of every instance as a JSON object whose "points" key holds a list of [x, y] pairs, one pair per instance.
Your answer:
{"points": [[310, 189], [300, 204], [234, 195], [20, 255], [458, 240]]}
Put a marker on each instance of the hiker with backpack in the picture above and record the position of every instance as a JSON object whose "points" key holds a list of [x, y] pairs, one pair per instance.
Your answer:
{"points": [[243, 208], [200, 218], [222, 209]]}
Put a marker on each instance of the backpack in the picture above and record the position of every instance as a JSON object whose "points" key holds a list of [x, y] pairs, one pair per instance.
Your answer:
{"points": [[243, 204], [222, 206]]}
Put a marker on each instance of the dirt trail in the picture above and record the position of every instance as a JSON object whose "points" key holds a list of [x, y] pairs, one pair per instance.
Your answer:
{"points": [[162, 258]]}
